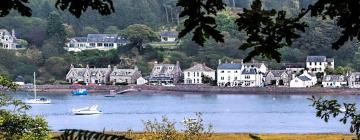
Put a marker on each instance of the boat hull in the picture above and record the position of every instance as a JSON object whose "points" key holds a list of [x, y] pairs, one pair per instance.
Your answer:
{"points": [[37, 101]]}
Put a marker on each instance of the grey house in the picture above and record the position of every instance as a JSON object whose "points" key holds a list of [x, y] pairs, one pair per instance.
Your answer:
{"points": [[88, 75], [128, 76], [165, 73], [278, 78]]}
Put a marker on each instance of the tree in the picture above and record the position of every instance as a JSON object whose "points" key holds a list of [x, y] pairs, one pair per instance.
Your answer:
{"points": [[15, 124], [139, 34], [112, 30], [55, 32], [89, 30]]}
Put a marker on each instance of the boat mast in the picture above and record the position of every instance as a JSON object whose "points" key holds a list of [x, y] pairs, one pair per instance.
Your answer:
{"points": [[34, 86]]}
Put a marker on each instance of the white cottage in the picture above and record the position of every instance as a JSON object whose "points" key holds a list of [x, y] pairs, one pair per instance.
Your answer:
{"points": [[7, 40], [304, 80], [354, 80], [141, 81], [169, 36], [261, 67], [194, 75], [95, 41], [251, 77]]}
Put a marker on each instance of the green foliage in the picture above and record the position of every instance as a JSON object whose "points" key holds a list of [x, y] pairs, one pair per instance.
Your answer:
{"points": [[200, 19], [254, 137], [89, 30], [112, 30], [15, 124], [327, 109], [77, 134], [138, 34]]}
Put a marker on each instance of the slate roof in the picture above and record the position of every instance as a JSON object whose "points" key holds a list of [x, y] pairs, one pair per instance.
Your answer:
{"points": [[173, 34], [257, 65], [304, 78], [102, 37], [315, 59], [229, 66], [330, 59], [80, 39], [123, 72], [293, 65], [277, 73], [199, 67], [334, 78], [249, 71]]}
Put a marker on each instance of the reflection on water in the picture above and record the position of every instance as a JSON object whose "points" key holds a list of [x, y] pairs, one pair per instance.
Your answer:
{"points": [[228, 113]]}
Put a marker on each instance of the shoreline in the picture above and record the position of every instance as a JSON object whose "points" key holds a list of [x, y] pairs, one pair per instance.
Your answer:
{"points": [[198, 89]]}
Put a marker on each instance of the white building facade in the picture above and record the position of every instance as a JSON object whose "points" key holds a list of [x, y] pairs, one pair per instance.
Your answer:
{"points": [[95, 41], [303, 80], [228, 74], [195, 74], [354, 80], [318, 64], [251, 77]]}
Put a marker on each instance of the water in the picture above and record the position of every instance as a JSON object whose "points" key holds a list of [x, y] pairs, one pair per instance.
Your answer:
{"points": [[227, 113]]}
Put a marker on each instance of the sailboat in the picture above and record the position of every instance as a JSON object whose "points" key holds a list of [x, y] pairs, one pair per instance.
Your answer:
{"points": [[37, 100], [87, 110]]}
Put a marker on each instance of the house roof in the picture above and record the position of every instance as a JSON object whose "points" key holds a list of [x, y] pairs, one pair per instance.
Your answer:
{"points": [[330, 59], [304, 78], [80, 39], [257, 65], [249, 71], [315, 59], [123, 72], [199, 67], [334, 78], [277, 73], [229, 66], [293, 65], [173, 34], [102, 37]]}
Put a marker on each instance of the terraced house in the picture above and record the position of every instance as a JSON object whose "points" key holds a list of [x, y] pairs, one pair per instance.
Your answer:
{"points": [[318, 64], [88, 75], [165, 73], [196, 73], [128, 76], [228, 74]]}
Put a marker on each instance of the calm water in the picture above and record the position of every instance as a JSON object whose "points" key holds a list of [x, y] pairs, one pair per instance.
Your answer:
{"points": [[228, 113]]}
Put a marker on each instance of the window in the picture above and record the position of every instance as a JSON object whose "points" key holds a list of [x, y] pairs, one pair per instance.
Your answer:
{"points": [[188, 74], [92, 44], [229, 71], [236, 71], [99, 44], [247, 76], [229, 78], [197, 73], [105, 44], [235, 78], [222, 78], [222, 71], [197, 80]]}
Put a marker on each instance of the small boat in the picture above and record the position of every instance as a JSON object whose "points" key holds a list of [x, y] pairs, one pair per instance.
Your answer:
{"points": [[111, 94], [127, 90], [36, 100], [80, 92], [87, 110]]}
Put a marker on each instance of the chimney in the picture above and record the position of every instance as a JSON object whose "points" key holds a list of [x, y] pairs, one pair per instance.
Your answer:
{"points": [[87, 66], [109, 66], [178, 63], [155, 62], [71, 66], [13, 33], [219, 61], [241, 61]]}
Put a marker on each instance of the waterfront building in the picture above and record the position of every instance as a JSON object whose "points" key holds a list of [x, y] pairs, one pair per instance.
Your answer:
{"points": [[95, 41], [354, 80], [294, 68], [303, 80], [228, 74], [251, 77], [8, 40], [165, 73], [88, 75], [169, 36], [277, 78], [195, 74], [128, 76], [141, 81], [334, 81], [317, 64], [261, 67]]}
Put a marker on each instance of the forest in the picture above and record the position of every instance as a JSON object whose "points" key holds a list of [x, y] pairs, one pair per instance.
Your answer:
{"points": [[48, 29]]}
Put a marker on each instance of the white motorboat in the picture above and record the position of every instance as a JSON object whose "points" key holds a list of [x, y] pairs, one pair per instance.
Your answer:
{"points": [[37, 100], [87, 110]]}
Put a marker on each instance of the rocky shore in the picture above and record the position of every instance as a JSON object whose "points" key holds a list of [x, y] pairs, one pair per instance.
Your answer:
{"points": [[198, 89]]}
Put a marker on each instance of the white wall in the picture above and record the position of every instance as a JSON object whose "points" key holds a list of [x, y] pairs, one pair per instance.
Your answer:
{"points": [[194, 77], [228, 76]]}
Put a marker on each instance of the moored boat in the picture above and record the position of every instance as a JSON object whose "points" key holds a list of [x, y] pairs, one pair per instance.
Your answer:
{"points": [[92, 110], [80, 92]]}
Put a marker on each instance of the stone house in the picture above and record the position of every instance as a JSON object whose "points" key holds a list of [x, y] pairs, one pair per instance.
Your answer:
{"points": [[165, 73], [194, 75], [354, 80], [318, 64], [88, 75], [334, 81], [7, 40], [128, 76], [95, 41], [277, 78]]}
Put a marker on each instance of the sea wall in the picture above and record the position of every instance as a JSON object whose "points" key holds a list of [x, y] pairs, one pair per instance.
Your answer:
{"points": [[198, 89]]}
